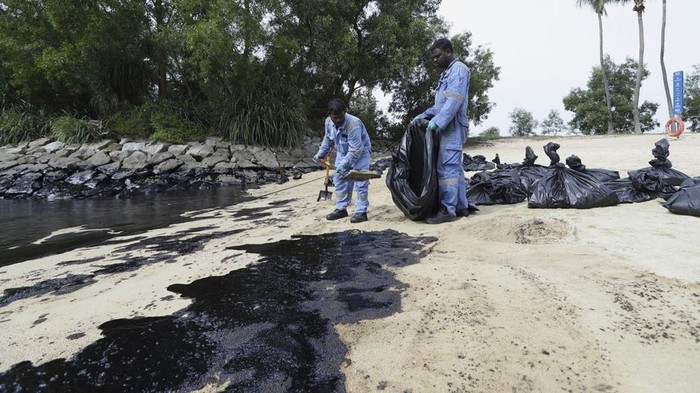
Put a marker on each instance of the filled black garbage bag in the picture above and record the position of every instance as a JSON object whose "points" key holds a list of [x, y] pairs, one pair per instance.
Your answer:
{"points": [[496, 188], [687, 200], [640, 186], [476, 163], [661, 166], [603, 175], [528, 171], [566, 188], [412, 176]]}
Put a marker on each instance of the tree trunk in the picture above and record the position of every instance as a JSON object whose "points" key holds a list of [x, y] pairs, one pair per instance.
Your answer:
{"points": [[669, 102], [604, 73], [640, 71]]}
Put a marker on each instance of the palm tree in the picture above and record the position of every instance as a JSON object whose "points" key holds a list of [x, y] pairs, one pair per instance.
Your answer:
{"points": [[669, 103], [639, 9], [599, 8]]}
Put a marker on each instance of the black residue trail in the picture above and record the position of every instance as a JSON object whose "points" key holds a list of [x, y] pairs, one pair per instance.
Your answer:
{"points": [[266, 328]]}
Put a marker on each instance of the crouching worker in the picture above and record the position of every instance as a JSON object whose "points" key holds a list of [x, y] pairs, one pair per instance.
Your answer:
{"points": [[348, 135]]}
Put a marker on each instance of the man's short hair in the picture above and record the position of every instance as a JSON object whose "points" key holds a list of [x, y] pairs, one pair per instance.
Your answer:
{"points": [[336, 106], [441, 43]]}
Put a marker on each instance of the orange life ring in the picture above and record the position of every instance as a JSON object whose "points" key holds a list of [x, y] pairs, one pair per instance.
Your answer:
{"points": [[669, 127]]}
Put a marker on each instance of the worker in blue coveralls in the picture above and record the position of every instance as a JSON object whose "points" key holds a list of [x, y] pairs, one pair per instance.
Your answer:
{"points": [[349, 136], [448, 118]]}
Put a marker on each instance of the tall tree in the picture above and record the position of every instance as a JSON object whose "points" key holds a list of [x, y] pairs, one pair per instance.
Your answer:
{"points": [[588, 105], [669, 103], [692, 99], [524, 123], [599, 8], [413, 93], [639, 9], [553, 124]]}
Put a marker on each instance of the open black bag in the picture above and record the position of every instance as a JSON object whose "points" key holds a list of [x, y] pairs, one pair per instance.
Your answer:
{"points": [[661, 166], [412, 176]]}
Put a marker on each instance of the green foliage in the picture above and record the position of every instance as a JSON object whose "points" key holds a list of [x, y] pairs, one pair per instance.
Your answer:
{"points": [[175, 123], [262, 117], [590, 109], [365, 107], [134, 123], [73, 130], [491, 132], [691, 99], [22, 124], [524, 123], [553, 124], [414, 92]]}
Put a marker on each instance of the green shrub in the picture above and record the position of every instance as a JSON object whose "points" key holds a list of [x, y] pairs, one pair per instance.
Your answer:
{"points": [[18, 125], [169, 127], [72, 130], [263, 119], [134, 123]]}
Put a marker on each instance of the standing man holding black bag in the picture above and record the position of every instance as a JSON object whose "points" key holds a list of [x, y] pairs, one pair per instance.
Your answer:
{"points": [[448, 118]]}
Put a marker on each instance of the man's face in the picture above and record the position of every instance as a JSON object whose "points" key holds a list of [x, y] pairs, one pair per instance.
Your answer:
{"points": [[338, 119], [441, 58]]}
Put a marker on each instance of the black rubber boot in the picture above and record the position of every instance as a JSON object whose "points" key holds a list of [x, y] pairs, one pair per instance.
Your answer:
{"points": [[441, 216], [358, 217], [337, 214]]}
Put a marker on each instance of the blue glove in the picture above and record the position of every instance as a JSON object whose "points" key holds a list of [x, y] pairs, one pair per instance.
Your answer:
{"points": [[432, 126], [340, 170], [319, 158], [415, 119]]}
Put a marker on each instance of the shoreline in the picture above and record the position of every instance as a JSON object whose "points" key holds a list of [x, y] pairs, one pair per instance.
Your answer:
{"points": [[604, 299]]}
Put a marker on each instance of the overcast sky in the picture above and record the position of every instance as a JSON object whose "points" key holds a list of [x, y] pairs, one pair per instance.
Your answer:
{"points": [[545, 48]]}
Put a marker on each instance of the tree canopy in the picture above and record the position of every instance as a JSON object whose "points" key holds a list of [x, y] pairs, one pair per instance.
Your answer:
{"points": [[253, 71], [589, 107]]}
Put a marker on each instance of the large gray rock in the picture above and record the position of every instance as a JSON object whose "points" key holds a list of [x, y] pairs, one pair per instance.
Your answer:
{"points": [[98, 159], [119, 155], [5, 165], [111, 168], [54, 146], [96, 180], [178, 150], [266, 158], [167, 166], [200, 151], [5, 156], [241, 155], [29, 168], [211, 161], [186, 158], [224, 168], [159, 158], [102, 144], [80, 177], [54, 176], [84, 153], [155, 148], [212, 141], [64, 163], [134, 146], [189, 170], [25, 185], [39, 142], [136, 160]]}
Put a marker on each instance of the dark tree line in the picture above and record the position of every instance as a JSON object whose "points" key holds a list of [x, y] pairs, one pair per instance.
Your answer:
{"points": [[253, 71]]}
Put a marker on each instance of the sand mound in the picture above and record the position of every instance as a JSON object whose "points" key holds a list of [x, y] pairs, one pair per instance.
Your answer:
{"points": [[524, 230]]}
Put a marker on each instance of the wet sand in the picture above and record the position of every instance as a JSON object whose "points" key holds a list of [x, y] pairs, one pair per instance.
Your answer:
{"points": [[508, 299]]}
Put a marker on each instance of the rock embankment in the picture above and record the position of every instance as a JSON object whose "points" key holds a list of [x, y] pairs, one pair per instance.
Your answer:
{"points": [[46, 169]]}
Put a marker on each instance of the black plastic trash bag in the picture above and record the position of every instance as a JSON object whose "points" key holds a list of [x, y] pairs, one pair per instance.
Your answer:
{"points": [[640, 186], [476, 163], [412, 176], [496, 188], [603, 175], [687, 200], [530, 172], [661, 165]]}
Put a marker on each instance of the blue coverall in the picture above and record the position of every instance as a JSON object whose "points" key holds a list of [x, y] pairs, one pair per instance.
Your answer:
{"points": [[353, 148], [450, 114]]}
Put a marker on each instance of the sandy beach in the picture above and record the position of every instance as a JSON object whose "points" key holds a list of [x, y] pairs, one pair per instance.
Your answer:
{"points": [[509, 299]]}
